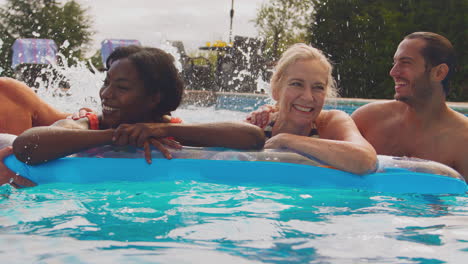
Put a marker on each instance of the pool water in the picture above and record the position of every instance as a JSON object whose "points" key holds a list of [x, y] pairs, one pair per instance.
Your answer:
{"points": [[251, 102], [197, 222]]}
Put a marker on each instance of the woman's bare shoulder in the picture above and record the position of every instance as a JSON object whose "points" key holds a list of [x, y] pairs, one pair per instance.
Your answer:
{"points": [[332, 115]]}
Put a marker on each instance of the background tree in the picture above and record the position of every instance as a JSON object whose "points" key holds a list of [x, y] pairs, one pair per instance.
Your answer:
{"points": [[283, 22], [361, 36], [68, 25]]}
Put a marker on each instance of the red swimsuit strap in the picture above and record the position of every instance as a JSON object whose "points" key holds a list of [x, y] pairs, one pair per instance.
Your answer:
{"points": [[176, 120], [93, 121]]}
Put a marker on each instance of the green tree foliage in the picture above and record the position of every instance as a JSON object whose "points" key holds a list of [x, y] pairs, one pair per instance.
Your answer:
{"points": [[282, 23], [68, 25], [361, 36]]}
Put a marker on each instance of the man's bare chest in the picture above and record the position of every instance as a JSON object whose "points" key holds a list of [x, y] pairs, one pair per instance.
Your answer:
{"points": [[409, 142]]}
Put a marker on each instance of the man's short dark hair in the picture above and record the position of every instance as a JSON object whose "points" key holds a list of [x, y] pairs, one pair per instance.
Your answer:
{"points": [[437, 50]]}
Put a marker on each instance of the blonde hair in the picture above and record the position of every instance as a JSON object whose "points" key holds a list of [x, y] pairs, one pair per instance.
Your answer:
{"points": [[301, 51]]}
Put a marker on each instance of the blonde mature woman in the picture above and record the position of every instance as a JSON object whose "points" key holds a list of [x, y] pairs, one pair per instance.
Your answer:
{"points": [[300, 84]]}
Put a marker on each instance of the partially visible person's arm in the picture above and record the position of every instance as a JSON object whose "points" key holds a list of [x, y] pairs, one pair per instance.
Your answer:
{"points": [[340, 145], [8, 176], [45, 114], [22, 108], [42, 113]]}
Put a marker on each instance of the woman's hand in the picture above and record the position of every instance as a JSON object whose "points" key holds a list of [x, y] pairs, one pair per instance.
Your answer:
{"points": [[8, 176], [146, 135], [81, 113], [262, 116], [279, 141]]}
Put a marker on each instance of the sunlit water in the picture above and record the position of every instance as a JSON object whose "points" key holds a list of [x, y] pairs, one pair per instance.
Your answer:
{"points": [[197, 222]]}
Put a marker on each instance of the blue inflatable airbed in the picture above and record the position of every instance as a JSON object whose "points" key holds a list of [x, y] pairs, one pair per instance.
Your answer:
{"points": [[394, 175]]}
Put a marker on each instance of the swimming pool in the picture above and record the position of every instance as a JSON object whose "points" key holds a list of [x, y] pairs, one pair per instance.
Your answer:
{"points": [[250, 102], [197, 222]]}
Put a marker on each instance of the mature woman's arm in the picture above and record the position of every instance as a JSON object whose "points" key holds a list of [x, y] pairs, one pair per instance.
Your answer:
{"points": [[340, 144], [65, 137]]}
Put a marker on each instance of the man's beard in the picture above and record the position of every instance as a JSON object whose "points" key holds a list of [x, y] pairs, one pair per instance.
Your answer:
{"points": [[421, 90], [401, 98]]}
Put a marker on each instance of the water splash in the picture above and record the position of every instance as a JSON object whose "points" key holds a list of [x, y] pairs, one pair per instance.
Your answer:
{"points": [[71, 87]]}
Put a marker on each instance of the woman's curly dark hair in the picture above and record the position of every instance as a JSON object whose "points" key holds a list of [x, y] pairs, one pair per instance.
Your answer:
{"points": [[158, 72]]}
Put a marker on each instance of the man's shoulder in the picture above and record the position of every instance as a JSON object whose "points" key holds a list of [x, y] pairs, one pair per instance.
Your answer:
{"points": [[386, 104], [461, 128], [452, 130], [378, 109], [457, 135], [463, 119], [457, 121]]}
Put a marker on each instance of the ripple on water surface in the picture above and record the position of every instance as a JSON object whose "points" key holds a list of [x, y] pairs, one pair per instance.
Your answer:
{"points": [[187, 221]]}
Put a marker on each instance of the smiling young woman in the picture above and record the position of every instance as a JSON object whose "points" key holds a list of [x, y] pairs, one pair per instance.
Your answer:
{"points": [[140, 90]]}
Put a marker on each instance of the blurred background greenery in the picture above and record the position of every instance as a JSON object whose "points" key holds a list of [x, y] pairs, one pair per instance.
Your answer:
{"points": [[359, 36]]}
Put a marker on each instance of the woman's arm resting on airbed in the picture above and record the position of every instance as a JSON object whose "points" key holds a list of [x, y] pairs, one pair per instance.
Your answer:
{"points": [[340, 145], [41, 144], [237, 135], [65, 137]]}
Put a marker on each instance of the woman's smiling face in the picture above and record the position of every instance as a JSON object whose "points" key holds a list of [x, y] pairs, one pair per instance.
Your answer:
{"points": [[124, 98], [302, 92]]}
